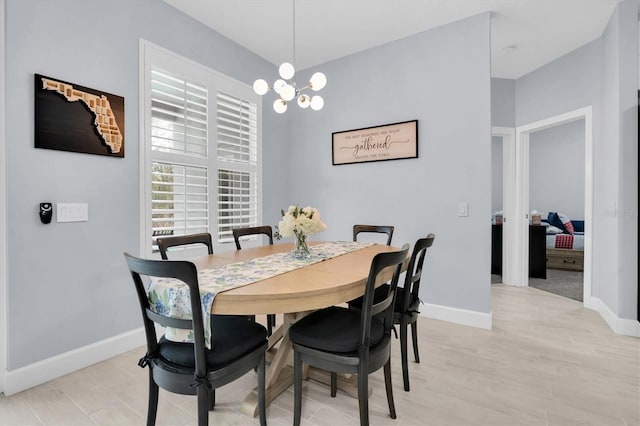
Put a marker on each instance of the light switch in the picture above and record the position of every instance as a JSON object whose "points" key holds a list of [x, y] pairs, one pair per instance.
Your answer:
{"points": [[72, 212], [463, 209]]}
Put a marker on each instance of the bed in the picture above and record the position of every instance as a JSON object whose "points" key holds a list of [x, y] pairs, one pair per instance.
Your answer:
{"points": [[565, 242]]}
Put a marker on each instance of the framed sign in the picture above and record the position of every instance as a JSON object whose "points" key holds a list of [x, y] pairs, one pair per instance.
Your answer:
{"points": [[69, 117], [389, 142]]}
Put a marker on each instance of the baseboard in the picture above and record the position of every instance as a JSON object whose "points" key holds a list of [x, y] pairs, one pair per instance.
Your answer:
{"points": [[43, 371], [458, 316], [622, 326]]}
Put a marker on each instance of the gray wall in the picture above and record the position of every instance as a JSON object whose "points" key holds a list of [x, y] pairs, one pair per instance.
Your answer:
{"points": [[620, 129], [442, 78], [568, 83], [556, 170], [503, 102], [602, 74], [503, 114], [67, 282]]}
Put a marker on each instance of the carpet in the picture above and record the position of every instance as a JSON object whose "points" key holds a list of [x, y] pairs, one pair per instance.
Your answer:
{"points": [[563, 283]]}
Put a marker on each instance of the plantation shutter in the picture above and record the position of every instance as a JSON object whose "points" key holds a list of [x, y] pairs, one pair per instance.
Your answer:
{"points": [[237, 132], [179, 199], [178, 115], [179, 175], [202, 157]]}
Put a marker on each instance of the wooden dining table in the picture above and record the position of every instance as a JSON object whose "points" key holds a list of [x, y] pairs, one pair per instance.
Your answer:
{"points": [[293, 294]]}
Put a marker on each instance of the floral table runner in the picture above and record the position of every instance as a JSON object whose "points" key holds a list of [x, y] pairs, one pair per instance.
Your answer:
{"points": [[171, 297]]}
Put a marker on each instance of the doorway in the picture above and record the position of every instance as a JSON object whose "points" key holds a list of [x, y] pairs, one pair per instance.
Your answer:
{"points": [[556, 187], [518, 236], [515, 196]]}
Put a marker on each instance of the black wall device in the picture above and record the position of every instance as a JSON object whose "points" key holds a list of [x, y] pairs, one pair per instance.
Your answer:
{"points": [[46, 212]]}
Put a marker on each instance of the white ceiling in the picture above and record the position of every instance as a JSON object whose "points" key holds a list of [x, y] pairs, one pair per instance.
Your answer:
{"points": [[525, 34]]}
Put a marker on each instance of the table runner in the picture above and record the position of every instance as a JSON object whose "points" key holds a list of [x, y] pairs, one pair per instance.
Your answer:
{"points": [[170, 297]]}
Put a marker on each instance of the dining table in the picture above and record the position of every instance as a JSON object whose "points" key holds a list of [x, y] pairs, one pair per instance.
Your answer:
{"points": [[294, 294]]}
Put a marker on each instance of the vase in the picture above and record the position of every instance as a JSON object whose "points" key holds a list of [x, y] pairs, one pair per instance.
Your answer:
{"points": [[300, 248]]}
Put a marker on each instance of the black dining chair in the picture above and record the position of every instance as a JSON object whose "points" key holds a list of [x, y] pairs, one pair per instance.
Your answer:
{"points": [[380, 229], [238, 346], [341, 340], [252, 230], [256, 230], [407, 303], [182, 240]]}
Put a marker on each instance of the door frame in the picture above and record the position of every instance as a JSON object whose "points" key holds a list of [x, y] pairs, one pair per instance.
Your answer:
{"points": [[4, 305], [508, 135], [521, 260]]}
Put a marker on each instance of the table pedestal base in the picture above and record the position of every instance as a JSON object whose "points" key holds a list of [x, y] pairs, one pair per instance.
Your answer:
{"points": [[279, 375]]}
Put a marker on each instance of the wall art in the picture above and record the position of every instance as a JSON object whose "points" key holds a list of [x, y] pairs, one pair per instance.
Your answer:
{"points": [[70, 117], [389, 142]]}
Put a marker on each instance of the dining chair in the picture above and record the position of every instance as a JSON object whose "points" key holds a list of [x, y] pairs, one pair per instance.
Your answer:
{"points": [[407, 303], [181, 240], [256, 230], [380, 229], [342, 340], [238, 346], [252, 230]]}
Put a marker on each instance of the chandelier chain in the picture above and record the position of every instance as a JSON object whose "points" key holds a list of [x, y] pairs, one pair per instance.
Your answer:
{"points": [[294, 33]]}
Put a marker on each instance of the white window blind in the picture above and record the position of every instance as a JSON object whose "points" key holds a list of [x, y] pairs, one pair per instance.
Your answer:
{"points": [[237, 130], [201, 157], [237, 156], [237, 201], [178, 115], [179, 122], [179, 199]]}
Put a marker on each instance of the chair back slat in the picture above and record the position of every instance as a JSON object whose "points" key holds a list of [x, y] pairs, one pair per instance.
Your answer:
{"points": [[383, 308], [380, 229], [166, 321], [414, 271], [252, 230], [182, 240]]}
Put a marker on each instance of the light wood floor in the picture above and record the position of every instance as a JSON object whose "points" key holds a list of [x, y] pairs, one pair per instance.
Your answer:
{"points": [[547, 361]]}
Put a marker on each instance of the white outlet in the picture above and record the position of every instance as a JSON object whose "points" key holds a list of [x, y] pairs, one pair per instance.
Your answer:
{"points": [[72, 212]]}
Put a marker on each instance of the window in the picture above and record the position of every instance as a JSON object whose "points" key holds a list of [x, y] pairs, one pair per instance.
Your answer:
{"points": [[237, 177], [201, 152]]}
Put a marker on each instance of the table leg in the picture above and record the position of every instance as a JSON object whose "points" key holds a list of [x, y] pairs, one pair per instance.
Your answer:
{"points": [[279, 374]]}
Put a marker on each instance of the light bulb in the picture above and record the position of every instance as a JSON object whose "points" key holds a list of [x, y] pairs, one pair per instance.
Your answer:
{"points": [[303, 101], [286, 70], [288, 92], [279, 106], [317, 103], [278, 85], [318, 81], [260, 87]]}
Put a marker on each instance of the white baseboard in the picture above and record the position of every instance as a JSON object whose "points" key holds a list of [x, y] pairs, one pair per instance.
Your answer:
{"points": [[458, 316], [622, 326], [43, 371]]}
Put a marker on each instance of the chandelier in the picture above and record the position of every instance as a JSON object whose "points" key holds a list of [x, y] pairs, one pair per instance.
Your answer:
{"points": [[285, 87]]}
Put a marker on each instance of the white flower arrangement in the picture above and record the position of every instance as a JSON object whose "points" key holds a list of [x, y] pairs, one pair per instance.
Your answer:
{"points": [[300, 222]]}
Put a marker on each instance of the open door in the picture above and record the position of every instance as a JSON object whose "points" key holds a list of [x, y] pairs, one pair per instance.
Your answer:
{"points": [[508, 135]]}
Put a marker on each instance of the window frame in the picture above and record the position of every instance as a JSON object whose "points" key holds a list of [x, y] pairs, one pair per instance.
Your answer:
{"points": [[151, 55]]}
